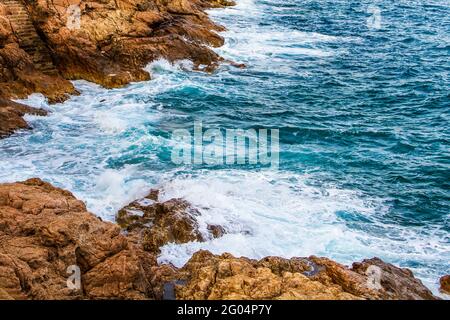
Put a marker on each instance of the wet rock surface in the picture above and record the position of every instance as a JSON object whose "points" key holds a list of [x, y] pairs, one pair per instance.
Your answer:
{"points": [[111, 41], [445, 284], [159, 223]]}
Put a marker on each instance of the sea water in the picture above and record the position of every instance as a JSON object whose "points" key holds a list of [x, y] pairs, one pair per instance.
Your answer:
{"points": [[359, 91]]}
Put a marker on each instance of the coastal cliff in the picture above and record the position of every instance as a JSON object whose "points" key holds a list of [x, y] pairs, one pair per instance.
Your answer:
{"points": [[45, 230], [43, 44]]}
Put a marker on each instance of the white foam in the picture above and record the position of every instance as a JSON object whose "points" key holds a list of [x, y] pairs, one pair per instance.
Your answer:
{"points": [[280, 213]]}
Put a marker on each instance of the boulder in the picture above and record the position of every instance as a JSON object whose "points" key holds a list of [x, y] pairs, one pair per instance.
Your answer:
{"points": [[159, 223], [445, 284], [45, 230]]}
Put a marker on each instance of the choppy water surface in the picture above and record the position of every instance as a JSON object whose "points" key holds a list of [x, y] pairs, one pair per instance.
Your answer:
{"points": [[363, 111]]}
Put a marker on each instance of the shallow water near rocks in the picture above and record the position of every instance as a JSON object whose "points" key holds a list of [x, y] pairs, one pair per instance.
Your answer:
{"points": [[363, 114]]}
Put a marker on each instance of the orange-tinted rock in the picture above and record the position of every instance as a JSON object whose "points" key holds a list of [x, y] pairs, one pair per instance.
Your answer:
{"points": [[226, 277], [112, 43], [159, 223], [445, 284], [116, 39], [11, 116], [19, 78], [397, 283], [209, 276], [45, 230]]}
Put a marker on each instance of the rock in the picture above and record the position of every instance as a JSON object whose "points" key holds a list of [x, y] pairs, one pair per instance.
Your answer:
{"points": [[445, 284], [226, 277], [19, 77], [11, 116], [116, 39], [216, 230], [397, 283], [44, 230], [108, 42], [172, 221], [209, 276]]}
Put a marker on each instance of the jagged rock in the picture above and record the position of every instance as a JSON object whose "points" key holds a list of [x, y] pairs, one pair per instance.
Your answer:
{"points": [[44, 230], [445, 284], [397, 283], [109, 42], [209, 276], [19, 77], [11, 116], [163, 222], [226, 277], [116, 39]]}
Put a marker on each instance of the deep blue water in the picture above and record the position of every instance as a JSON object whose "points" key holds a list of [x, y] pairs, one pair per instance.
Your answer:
{"points": [[363, 112]]}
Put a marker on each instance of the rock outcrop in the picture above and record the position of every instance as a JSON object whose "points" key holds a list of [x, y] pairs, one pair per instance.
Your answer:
{"points": [[46, 232], [20, 75], [11, 116], [109, 42], [43, 44], [208, 276], [445, 284], [160, 223]]}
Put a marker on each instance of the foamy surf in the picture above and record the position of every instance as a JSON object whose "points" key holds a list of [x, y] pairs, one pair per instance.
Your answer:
{"points": [[285, 214]]}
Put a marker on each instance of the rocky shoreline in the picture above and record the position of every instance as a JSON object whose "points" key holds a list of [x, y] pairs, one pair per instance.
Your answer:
{"points": [[111, 45], [44, 230]]}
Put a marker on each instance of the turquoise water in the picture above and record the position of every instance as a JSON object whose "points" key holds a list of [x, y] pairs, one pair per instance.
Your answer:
{"points": [[363, 112]]}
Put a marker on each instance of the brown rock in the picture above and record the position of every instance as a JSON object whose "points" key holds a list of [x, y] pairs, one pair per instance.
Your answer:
{"points": [[445, 284], [11, 116], [216, 230], [163, 222], [44, 230], [209, 276], [397, 283], [112, 44], [226, 277], [117, 39]]}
